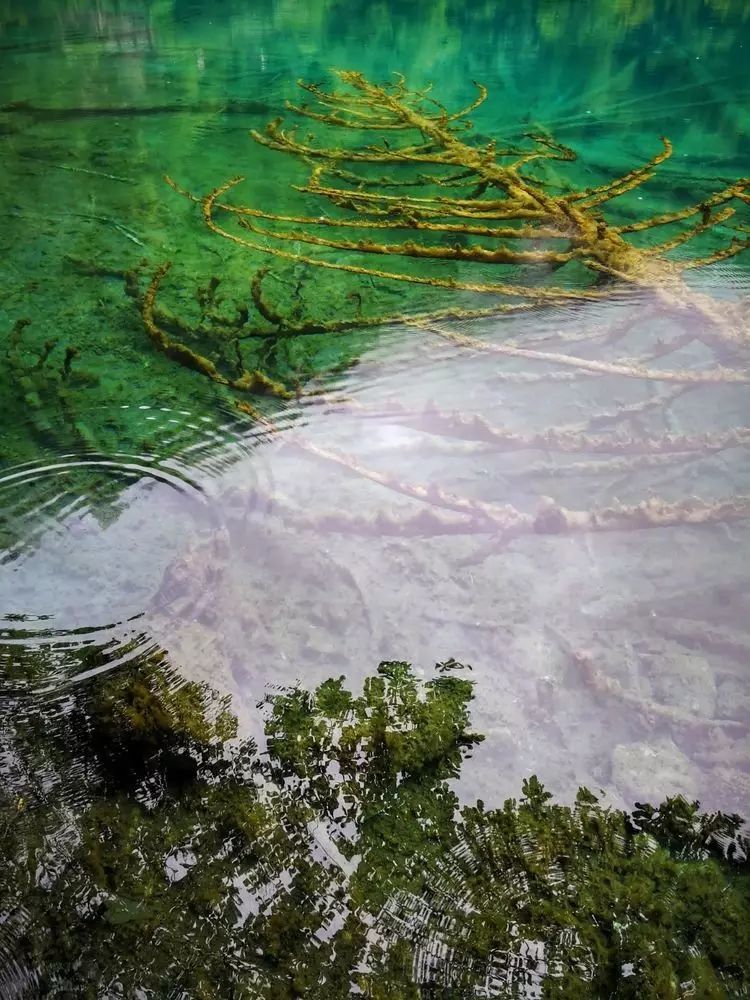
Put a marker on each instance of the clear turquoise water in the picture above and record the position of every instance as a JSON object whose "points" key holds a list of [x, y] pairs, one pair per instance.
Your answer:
{"points": [[142, 511]]}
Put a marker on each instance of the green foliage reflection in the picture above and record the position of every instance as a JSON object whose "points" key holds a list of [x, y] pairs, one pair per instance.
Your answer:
{"points": [[186, 863]]}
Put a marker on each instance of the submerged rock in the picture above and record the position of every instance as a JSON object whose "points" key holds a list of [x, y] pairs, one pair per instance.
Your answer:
{"points": [[651, 771], [733, 699], [681, 678]]}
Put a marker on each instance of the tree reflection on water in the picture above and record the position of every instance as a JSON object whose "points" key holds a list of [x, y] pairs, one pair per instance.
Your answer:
{"points": [[151, 851]]}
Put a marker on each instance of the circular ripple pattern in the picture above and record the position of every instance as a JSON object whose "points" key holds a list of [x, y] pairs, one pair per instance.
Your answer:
{"points": [[86, 536]]}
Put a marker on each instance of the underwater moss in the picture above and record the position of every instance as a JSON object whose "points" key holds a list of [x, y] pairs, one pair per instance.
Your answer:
{"points": [[456, 191], [573, 218]]}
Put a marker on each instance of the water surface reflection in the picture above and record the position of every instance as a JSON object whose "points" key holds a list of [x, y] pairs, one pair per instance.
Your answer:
{"points": [[361, 529], [160, 552]]}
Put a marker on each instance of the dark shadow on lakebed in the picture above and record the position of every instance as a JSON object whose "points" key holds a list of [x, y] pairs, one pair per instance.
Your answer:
{"points": [[148, 850]]}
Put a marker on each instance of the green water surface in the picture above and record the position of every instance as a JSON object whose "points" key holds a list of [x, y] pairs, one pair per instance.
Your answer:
{"points": [[209, 787]]}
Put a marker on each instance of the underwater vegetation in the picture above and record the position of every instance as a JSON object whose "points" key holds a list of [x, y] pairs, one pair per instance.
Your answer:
{"points": [[419, 190], [44, 376], [338, 859]]}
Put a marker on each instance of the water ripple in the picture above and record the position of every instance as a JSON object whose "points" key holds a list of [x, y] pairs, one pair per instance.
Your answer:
{"points": [[88, 533]]}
